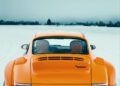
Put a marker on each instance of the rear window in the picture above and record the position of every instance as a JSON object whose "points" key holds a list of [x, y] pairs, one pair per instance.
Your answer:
{"points": [[59, 46]]}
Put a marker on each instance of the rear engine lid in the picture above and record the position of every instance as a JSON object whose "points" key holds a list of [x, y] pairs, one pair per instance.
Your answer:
{"points": [[61, 69]]}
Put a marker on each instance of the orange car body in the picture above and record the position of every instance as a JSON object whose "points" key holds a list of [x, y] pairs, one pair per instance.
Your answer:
{"points": [[59, 69]]}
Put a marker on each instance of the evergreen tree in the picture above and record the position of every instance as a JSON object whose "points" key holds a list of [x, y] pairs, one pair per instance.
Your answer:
{"points": [[101, 23], [49, 22]]}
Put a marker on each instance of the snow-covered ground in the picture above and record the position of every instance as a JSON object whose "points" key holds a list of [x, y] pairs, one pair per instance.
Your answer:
{"points": [[106, 39]]}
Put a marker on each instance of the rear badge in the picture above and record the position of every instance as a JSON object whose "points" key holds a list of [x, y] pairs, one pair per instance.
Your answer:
{"points": [[78, 66]]}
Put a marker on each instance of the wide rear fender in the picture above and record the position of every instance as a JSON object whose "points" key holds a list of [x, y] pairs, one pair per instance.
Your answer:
{"points": [[22, 70], [9, 76], [111, 74], [99, 71], [103, 72]]}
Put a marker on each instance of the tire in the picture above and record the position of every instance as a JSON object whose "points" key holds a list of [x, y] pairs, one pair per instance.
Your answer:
{"points": [[4, 83]]}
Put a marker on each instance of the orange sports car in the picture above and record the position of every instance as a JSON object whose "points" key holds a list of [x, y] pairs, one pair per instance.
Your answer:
{"points": [[59, 59]]}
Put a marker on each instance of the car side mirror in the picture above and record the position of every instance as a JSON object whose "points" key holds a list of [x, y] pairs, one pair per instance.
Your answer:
{"points": [[25, 46], [93, 47]]}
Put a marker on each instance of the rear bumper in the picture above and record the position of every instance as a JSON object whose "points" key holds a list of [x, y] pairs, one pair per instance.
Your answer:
{"points": [[16, 84], [49, 85], [59, 85], [62, 85]]}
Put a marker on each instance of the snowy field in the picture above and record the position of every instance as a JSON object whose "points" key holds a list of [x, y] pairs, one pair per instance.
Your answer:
{"points": [[106, 39]]}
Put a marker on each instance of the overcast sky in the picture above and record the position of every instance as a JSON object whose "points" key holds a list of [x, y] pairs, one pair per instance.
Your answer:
{"points": [[60, 10]]}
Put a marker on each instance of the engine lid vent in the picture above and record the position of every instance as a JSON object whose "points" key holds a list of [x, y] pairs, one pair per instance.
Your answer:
{"points": [[60, 58]]}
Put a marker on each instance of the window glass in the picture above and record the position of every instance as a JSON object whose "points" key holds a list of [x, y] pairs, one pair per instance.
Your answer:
{"points": [[59, 45]]}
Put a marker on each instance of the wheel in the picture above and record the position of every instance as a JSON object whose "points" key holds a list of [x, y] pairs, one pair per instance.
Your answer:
{"points": [[4, 83]]}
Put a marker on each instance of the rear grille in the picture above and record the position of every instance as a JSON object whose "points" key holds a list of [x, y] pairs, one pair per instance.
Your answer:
{"points": [[60, 58], [66, 58], [78, 59], [42, 58], [53, 58]]}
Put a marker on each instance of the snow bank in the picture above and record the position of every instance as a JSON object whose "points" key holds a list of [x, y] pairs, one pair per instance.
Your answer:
{"points": [[106, 39]]}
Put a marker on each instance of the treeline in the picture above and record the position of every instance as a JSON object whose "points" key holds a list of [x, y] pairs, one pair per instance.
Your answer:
{"points": [[100, 23], [2, 22], [49, 22]]}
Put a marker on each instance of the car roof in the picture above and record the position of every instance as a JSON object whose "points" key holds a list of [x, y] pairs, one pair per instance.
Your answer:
{"points": [[64, 34]]}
